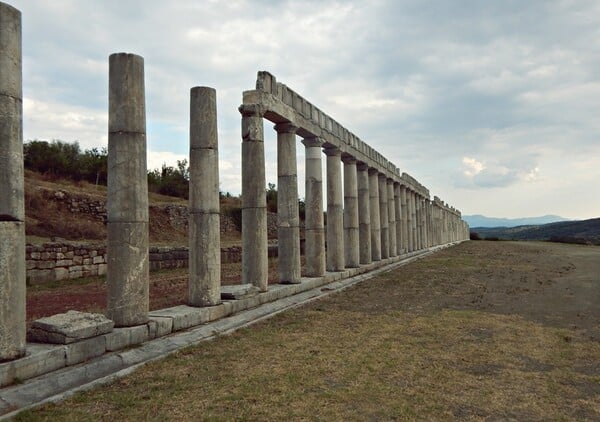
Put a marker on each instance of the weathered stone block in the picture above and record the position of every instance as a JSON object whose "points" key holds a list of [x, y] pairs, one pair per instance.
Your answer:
{"points": [[183, 316], [85, 349], [159, 326], [69, 327], [40, 359], [121, 338]]}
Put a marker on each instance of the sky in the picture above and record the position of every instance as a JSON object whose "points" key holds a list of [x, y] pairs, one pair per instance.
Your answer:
{"points": [[492, 105]]}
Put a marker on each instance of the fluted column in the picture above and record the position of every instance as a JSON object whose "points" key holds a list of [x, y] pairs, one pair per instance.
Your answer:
{"points": [[314, 227], [352, 255], [254, 198], [392, 217], [127, 274], [399, 222], [364, 215], [375, 216], [419, 203], [288, 219], [335, 211], [413, 218], [204, 219], [384, 218], [12, 212], [405, 219]]}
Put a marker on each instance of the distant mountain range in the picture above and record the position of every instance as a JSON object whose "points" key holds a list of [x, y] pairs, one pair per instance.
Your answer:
{"points": [[586, 231], [483, 221]]}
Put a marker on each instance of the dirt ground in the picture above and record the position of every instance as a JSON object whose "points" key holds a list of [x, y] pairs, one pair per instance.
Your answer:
{"points": [[550, 283], [484, 331]]}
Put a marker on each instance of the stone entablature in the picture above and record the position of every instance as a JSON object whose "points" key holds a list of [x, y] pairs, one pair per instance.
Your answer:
{"points": [[281, 105]]}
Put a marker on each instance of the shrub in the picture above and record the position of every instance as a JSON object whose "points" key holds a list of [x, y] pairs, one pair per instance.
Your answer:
{"points": [[474, 236]]}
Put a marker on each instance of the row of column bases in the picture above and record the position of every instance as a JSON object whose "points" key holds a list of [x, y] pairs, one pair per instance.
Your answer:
{"points": [[371, 218]]}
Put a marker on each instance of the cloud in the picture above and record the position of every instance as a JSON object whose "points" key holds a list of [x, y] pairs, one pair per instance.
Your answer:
{"points": [[513, 87], [478, 174]]}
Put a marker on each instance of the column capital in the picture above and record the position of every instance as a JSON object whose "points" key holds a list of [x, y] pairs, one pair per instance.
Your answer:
{"points": [[373, 171], [332, 151], [383, 176], [249, 110], [286, 127], [313, 141], [348, 159], [361, 166]]}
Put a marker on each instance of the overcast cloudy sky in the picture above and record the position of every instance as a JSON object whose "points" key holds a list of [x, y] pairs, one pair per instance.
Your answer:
{"points": [[493, 105]]}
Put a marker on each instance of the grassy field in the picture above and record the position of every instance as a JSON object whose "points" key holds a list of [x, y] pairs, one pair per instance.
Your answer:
{"points": [[470, 333]]}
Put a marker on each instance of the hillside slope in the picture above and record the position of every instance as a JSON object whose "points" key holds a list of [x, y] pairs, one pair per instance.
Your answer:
{"points": [[586, 231], [478, 220], [77, 211]]}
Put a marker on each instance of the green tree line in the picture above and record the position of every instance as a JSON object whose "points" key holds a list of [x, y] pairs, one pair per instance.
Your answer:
{"points": [[59, 159]]}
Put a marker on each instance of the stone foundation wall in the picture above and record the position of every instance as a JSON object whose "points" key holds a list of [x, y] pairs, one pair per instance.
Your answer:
{"points": [[60, 261]]}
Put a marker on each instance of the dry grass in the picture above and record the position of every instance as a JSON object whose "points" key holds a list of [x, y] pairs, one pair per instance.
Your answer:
{"points": [[367, 354]]}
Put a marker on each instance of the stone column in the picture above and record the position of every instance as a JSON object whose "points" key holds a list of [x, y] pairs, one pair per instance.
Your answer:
{"points": [[12, 213], [254, 199], [406, 219], [352, 256], [204, 220], [419, 222], [314, 227], [288, 219], [392, 216], [127, 198], [375, 216], [413, 220], [383, 213], [426, 223], [399, 221], [364, 215], [335, 211]]}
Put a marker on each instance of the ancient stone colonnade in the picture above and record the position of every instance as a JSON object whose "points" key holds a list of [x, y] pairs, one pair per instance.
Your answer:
{"points": [[374, 213]]}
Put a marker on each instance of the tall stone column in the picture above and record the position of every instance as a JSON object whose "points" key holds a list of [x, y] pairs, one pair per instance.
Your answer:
{"points": [[204, 220], [392, 216], [364, 214], [419, 222], [375, 216], [383, 213], [335, 211], [288, 219], [426, 223], [313, 220], [12, 211], [399, 221], [413, 220], [254, 199], [352, 256], [405, 219], [127, 199]]}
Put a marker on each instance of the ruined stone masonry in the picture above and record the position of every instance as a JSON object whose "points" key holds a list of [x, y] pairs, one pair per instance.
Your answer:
{"points": [[376, 216]]}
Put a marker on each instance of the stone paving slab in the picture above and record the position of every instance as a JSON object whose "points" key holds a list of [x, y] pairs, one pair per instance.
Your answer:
{"points": [[238, 291], [69, 327]]}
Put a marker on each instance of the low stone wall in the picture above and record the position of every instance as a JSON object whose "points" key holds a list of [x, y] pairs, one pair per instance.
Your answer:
{"points": [[60, 261]]}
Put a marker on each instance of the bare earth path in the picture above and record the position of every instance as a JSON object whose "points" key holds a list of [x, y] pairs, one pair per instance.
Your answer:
{"points": [[481, 331]]}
